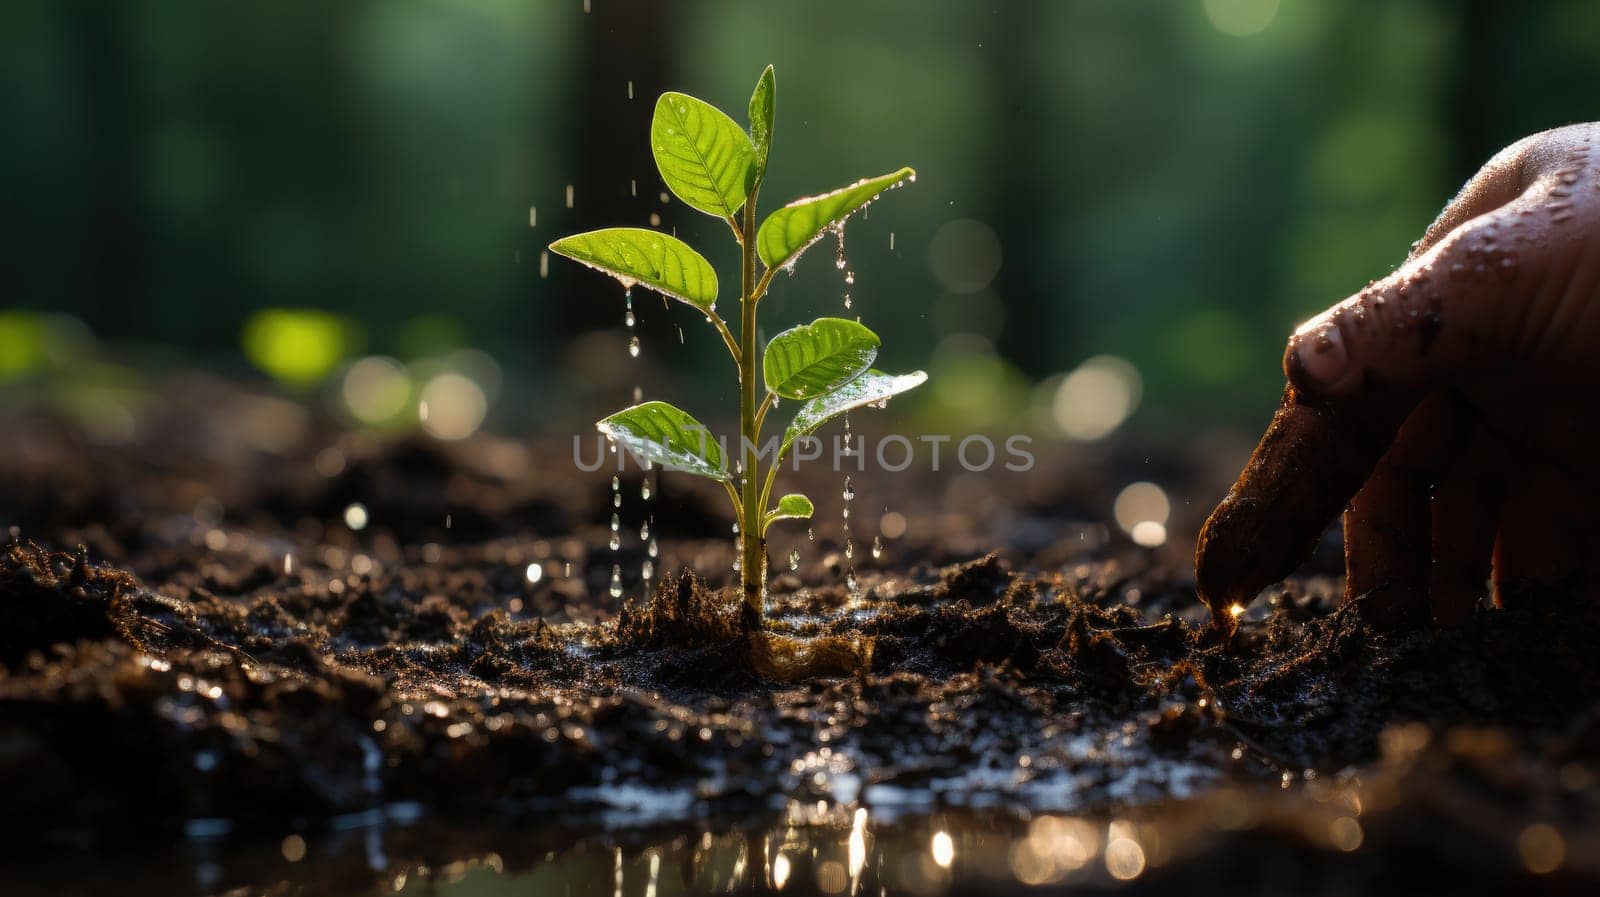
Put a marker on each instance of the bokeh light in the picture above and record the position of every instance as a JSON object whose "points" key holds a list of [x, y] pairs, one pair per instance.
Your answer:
{"points": [[298, 347], [1241, 18], [376, 389], [1142, 509], [453, 406], [964, 255], [1096, 398]]}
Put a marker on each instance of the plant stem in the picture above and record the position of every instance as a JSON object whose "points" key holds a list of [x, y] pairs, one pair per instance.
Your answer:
{"points": [[752, 541]]}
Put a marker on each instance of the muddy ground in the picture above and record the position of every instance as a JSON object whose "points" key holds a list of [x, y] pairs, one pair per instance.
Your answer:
{"points": [[196, 647]]}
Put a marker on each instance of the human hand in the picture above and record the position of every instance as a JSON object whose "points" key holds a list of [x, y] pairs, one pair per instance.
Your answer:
{"points": [[1449, 409]]}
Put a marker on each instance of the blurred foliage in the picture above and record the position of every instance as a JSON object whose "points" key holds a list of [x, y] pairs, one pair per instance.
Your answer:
{"points": [[1174, 183]]}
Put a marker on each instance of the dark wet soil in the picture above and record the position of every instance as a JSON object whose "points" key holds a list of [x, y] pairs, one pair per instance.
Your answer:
{"points": [[196, 648]]}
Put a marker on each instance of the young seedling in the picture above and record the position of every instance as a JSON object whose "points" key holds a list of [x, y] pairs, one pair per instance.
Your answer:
{"points": [[715, 167]]}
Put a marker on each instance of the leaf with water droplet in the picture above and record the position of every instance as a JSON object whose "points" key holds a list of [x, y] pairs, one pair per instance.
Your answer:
{"points": [[872, 388], [793, 506], [658, 433], [790, 230], [813, 359], [763, 113], [649, 258], [704, 157]]}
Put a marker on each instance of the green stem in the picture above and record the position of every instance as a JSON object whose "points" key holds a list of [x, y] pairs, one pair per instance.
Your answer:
{"points": [[752, 541]]}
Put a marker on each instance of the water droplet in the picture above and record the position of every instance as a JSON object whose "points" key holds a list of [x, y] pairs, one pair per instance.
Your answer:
{"points": [[627, 317], [616, 482], [616, 541], [810, 536], [616, 500], [644, 531], [644, 490], [652, 550], [851, 583], [616, 522], [794, 559], [849, 490], [736, 527], [616, 580], [633, 346], [849, 549], [849, 278], [647, 571], [569, 196], [877, 548]]}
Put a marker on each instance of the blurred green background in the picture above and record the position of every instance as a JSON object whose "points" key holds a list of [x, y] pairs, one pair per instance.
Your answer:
{"points": [[1170, 182]]}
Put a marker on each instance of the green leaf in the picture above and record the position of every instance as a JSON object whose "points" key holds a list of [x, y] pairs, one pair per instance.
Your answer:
{"points": [[661, 434], [634, 255], [763, 113], [872, 388], [703, 155], [787, 232], [806, 361], [793, 506]]}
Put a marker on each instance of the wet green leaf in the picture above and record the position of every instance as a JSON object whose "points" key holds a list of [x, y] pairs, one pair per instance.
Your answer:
{"points": [[872, 388], [806, 361], [793, 506], [763, 113], [649, 258], [787, 232], [703, 155], [662, 434]]}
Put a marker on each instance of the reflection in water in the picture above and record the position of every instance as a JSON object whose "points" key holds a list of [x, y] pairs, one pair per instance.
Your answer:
{"points": [[827, 848]]}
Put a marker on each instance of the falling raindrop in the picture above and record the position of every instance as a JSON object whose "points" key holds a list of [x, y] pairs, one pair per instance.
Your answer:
{"points": [[811, 535], [616, 580], [630, 90], [644, 531], [627, 314], [652, 550], [849, 490], [533, 216], [794, 559], [633, 346], [544, 264], [647, 572], [569, 195], [877, 548], [644, 485]]}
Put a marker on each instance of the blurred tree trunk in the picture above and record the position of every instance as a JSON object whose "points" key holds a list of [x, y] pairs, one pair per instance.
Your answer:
{"points": [[622, 42], [1476, 119], [1033, 323], [113, 278]]}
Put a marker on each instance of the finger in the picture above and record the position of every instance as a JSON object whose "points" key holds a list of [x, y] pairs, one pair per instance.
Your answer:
{"points": [[1496, 280], [1466, 512], [1388, 525], [1311, 460], [1545, 532], [1497, 183]]}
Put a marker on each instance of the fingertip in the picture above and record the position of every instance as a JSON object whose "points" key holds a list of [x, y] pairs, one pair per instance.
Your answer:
{"points": [[1318, 357]]}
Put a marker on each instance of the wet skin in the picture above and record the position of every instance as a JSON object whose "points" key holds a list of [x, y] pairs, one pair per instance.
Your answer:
{"points": [[1448, 410]]}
